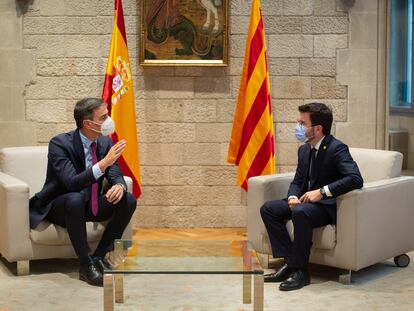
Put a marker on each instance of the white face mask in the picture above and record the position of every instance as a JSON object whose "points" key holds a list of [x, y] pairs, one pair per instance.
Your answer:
{"points": [[107, 127]]}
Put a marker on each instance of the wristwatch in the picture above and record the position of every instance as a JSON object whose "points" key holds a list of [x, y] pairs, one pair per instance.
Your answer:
{"points": [[123, 186], [322, 191]]}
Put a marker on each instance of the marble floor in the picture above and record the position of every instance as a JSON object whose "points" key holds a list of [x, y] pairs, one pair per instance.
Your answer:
{"points": [[53, 286]]}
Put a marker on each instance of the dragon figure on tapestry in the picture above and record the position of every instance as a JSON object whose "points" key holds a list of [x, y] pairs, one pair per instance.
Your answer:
{"points": [[188, 28]]}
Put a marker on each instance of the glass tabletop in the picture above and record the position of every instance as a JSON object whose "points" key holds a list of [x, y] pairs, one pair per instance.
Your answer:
{"points": [[184, 257]]}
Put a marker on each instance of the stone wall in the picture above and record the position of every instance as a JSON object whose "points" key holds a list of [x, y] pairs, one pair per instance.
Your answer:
{"points": [[185, 114], [362, 67]]}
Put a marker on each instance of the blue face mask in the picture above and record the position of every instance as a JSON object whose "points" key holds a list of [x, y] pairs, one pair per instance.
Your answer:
{"points": [[300, 133]]}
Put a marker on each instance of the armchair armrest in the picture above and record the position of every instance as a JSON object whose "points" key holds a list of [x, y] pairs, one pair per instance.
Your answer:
{"points": [[128, 181], [376, 222], [128, 230], [14, 221], [260, 190]]}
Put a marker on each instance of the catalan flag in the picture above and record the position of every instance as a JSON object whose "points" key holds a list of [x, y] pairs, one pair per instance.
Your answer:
{"points": [[252, 140], [118, 93]]}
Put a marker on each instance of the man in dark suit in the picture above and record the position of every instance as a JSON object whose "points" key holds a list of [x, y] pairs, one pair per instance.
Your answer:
{"points": [[325, 171], [78, 162]]}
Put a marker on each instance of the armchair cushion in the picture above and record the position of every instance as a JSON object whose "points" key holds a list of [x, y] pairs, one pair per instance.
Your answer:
{"points": [[323, 237], [47, 233]]}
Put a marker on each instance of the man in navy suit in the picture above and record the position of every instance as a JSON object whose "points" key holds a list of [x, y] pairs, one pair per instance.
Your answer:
{"points": [[325, 171], [78, 162]]}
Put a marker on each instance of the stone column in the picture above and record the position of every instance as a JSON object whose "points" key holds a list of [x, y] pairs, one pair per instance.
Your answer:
{"points": [[17, 70], [362, 67]]}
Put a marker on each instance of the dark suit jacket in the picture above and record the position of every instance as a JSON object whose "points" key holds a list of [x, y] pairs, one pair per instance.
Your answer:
{"points": [[335, 168], [66, 172]]}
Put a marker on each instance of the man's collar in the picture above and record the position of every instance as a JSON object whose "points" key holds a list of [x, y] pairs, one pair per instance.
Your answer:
{"points": [[318, 144], [85, 140]]}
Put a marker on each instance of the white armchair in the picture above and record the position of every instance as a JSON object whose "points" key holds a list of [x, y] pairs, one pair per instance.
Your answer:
{"points": [[373, 223], [22, 174]]}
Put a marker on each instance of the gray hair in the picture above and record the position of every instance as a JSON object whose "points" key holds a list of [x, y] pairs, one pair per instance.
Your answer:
{"points": [[85, 108]]}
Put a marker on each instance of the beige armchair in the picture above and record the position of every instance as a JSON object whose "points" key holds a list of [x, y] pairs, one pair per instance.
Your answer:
{"points": [[373, 223], [22, 174]]}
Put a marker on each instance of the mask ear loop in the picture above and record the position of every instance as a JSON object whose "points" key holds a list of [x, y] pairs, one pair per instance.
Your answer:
{"points": [[97, 123], [92, 129], [309, 138]]}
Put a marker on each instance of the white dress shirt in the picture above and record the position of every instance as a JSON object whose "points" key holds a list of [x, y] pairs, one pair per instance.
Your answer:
{"points": [[88, 156]]}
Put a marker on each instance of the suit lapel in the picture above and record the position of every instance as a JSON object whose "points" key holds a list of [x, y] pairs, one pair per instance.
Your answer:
{"points": [[79, 152], [307, 161], [320, 157]]}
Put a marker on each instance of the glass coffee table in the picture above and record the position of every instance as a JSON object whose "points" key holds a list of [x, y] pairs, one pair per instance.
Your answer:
{"points": [[184, 257]]}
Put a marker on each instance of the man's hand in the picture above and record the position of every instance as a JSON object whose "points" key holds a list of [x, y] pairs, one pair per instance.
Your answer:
{"points": [[311, 196], [293, 202], [115, 194], [114, 153]]}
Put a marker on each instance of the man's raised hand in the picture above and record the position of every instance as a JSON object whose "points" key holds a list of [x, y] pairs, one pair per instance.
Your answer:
{"points": [[114, 153]]}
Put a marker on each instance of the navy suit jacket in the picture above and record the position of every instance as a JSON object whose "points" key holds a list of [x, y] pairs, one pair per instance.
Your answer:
{"points": [[335, 168], [66, 172]]}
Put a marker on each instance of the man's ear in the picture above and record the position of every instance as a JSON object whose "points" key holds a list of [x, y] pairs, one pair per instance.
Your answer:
{"points": [[321, 128], [84, 123]]}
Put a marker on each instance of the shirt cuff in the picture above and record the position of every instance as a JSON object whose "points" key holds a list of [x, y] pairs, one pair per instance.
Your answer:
{"points": [[327, 192], [96, 171], [293, 197]]}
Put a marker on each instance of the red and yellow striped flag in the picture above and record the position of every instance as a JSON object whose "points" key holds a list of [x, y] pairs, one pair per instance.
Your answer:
{"points": [[251, 143], [118, 93]]}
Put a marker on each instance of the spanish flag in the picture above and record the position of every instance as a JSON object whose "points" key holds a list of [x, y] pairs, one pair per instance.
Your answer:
{"points": [[252, 140], [118, 93]]}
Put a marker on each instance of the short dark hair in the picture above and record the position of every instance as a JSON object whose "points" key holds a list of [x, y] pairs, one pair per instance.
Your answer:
{"points": [[84, 110], [320, 114]]}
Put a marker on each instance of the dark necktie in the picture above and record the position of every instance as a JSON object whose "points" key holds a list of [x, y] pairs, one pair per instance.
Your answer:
{"points": [[312, 167], [94, 188]]}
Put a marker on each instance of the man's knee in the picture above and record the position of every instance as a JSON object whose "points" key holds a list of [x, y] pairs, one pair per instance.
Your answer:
{"points": [[274, 208], [264, 209], [129, 202], [300, 212], [75, 203]]}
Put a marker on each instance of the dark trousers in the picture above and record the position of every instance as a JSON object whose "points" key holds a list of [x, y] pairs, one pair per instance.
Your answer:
{"points": [[71, 211], [305, 217]]}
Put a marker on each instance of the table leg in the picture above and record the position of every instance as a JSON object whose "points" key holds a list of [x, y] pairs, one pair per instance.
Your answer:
{"points": [[23, 267], [119, 288], [258, 293], [108, 292], [247, 288]]}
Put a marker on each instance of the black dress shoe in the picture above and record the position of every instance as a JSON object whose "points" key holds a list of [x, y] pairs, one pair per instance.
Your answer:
{"points": [[296, 280], [90, 274], [279, 276], [101, 264]]}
